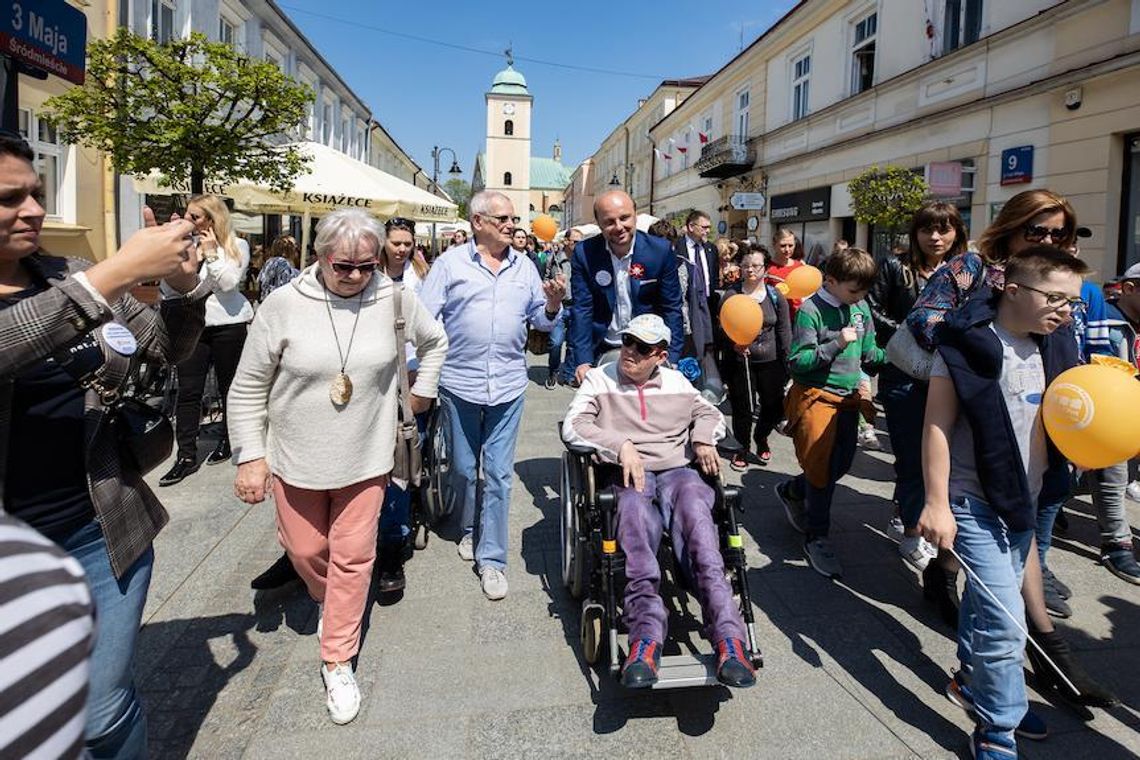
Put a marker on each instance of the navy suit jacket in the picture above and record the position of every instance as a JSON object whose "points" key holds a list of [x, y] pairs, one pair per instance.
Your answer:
{"points": [[656, 291]]}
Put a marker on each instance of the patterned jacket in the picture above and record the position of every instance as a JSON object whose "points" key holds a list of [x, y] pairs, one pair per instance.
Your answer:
{"points": [[36, 327], [949, 287]]}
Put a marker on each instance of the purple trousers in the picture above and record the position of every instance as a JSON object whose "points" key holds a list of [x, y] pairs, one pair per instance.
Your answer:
{"points": [[683, 507]]}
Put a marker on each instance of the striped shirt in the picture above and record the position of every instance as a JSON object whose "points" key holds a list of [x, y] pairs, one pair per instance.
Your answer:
{"points": [[46, 634], [817, 360]]}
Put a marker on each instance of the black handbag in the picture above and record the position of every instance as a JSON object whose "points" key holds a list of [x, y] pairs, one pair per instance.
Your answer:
{"points": [[408, 462], [146, 437]]}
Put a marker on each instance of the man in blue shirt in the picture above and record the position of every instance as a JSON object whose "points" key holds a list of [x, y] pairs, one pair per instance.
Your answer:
{"points": [[485, 292]]}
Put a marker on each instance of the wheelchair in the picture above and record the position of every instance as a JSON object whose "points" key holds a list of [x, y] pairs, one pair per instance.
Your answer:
{"points": [[593, 568], [433, 501]]}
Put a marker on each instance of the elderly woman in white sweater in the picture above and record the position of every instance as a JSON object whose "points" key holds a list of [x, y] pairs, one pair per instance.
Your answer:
{"points": [[312, 418]]}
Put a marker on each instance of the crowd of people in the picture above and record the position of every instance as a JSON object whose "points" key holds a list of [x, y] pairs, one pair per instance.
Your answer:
{"points": [[320, 375]]}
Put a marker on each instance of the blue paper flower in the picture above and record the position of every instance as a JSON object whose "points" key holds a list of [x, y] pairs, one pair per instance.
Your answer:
{"points": [[690, 368]]}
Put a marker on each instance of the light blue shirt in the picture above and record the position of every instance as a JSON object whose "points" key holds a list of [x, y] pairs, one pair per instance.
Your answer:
{"points": [[623, 303], [485, 316]]}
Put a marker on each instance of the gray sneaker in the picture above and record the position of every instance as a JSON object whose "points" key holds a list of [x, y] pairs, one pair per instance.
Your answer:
{"points": [[821, 557], [466, 548], [494, 583], [794, 507]]}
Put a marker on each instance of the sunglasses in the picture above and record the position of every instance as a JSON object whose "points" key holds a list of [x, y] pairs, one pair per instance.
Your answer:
{"points": [[1052, 299], [1035, 233], [501, 220], [399, 222], [644, 349], [345, 268]]}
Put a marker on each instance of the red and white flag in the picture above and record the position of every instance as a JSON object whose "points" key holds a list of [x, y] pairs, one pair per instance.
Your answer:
{"points": [[703, 137]]}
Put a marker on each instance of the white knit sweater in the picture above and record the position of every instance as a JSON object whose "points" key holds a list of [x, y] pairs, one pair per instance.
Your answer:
{"points": [[279, 407]]}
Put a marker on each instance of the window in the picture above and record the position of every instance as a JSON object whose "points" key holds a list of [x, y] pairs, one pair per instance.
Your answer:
{"points": [[863, 54], [162, 21], [507, 179], [226, 31], [508, 128], [344, 148], [961, 24], [309, 123], [708, 126], [743, 98], [801, 79], [44, 140], [326, 123]]}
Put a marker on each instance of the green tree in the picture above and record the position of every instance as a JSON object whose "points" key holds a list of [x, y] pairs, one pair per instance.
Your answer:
{"points": [[460, 192], [887, 198], [191, 109]]}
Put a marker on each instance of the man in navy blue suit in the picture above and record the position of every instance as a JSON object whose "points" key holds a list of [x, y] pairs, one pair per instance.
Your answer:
{"points": [[616, 276]]}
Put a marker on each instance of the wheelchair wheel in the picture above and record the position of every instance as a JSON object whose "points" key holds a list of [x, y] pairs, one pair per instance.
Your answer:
{"points": [[436, 496], [591, 634], [575, 562]]}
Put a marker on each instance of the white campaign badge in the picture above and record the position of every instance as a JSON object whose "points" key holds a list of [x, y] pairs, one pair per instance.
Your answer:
{"points": [[603, 278], [120, 339]]}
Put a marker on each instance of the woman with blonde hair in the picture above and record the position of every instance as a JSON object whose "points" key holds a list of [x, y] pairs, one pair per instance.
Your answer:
{"points": [[787, 254], [228, 313]]}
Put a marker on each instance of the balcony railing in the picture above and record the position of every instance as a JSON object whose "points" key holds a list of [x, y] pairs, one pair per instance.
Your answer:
{"points": [[726, 157]]}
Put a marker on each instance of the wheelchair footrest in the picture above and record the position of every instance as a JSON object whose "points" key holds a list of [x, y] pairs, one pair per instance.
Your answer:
{"points": [[684, 670]]}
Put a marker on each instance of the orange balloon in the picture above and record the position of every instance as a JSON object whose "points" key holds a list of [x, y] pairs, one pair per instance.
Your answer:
{"points": [[803, 281], [741, 318], [1092, 414], [544, 228]]}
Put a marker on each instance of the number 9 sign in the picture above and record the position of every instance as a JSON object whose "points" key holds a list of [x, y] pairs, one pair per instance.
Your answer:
{"points": [[1017, 165]]}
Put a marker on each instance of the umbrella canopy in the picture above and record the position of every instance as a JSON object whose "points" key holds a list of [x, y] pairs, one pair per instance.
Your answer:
{"points": [[332, 181]]}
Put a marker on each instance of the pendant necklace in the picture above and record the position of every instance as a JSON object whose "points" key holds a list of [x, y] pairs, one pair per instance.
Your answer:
{"points": [[341, 389]]}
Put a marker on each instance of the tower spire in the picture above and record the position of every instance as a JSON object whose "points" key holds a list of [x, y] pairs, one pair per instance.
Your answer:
{"points": [[509, 52]]}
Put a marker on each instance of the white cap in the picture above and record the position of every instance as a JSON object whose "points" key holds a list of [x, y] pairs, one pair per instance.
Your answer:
{"points": [[649, 329]]}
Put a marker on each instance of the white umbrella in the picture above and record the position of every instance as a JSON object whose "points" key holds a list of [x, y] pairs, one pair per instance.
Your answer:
{"points": [[644, 221]]}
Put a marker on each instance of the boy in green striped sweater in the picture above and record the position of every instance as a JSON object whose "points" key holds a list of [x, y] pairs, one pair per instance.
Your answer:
{"points": [[833, 340]]}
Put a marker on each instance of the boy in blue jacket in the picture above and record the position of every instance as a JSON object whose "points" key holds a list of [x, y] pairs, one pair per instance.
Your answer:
{"points": [[986, 460]]}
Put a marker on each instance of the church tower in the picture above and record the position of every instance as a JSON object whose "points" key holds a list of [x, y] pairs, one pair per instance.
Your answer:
{"points": [[507, 159]]}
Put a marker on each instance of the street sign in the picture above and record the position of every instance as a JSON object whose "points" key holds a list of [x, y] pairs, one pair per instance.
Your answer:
{"points": [[47, 34], [1017, 165], [747, 201]]}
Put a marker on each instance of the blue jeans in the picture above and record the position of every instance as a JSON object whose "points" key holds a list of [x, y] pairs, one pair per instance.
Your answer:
{"points": [[1046, 516], [116, 725], [558, 335], [990, 645], [904, 404], [396, 511], [483, 435]]}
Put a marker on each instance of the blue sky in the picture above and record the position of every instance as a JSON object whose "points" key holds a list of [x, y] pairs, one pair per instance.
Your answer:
{"points": [[426, 94]]}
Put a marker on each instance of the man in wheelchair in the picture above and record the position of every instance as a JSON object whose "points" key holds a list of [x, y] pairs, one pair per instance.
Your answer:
{"points": [[648, 419]]}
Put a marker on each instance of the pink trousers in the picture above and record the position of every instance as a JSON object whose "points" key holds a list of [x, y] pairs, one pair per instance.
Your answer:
{"points": [[331, 538]]}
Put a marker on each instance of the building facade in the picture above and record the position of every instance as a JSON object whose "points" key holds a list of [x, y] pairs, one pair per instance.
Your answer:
{"points": [[984, 98], [578, 197]]}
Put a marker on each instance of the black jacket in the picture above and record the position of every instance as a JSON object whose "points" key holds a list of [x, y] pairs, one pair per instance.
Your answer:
{"points": [[775, 338], [892, 296], [973, 354]]}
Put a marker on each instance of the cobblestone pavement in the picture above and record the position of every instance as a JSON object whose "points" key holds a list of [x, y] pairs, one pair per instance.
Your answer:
{"points": [[855, 669]]}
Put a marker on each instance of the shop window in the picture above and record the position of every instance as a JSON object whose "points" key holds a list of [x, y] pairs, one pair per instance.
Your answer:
{"points": [[508, 128], [1130, 203], [863, 54]]}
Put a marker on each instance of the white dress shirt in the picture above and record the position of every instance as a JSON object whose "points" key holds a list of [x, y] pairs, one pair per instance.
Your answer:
{"points": [[696, 255], [623, 303]]}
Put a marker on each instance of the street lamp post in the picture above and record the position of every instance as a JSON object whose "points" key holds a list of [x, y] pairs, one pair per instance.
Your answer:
{"points": [[454, 170]]}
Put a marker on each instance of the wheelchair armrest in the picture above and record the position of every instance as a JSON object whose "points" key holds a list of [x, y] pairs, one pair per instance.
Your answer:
{"points": [[582, 451]]}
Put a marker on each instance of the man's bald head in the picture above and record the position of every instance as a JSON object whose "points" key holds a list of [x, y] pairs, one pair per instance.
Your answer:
{"points": [[617, 217]]}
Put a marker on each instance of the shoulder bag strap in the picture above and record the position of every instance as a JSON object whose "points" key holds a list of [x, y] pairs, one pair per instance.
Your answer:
{"points": [[402, 353]]}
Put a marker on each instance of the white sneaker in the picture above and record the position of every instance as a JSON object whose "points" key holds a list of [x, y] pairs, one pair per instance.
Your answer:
{"points": [[917, 551], [896, 530], [494, 583], [1133, 490], [466, 548], [343, 695], [869, 439], [320, 620]]}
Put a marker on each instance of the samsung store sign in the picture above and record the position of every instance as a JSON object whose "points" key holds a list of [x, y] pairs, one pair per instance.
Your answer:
{"points": [[803, 206]]}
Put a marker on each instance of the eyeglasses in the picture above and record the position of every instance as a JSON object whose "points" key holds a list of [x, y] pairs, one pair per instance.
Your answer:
{"points": [[501, 220], [1053, 299], [346, 268], [630, 341], [1035, 233], [746, 267], [399, 222]]}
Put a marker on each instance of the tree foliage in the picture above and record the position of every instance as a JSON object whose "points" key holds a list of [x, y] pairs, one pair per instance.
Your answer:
{"points": [[460, 192], [191, 109], [888, 197]]}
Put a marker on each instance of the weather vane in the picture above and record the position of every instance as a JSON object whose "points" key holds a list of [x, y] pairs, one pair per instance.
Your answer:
{"points": [[510, 55]]}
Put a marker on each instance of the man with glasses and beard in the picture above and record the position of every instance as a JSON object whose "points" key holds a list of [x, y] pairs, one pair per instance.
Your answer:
{"points": [[486, 293]]}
